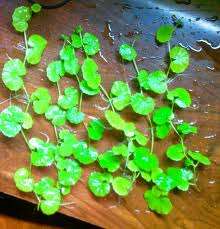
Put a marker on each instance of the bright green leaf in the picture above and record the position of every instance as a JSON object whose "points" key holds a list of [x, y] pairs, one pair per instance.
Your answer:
{"points": [[179, 59], [95, 129], [127, 52], [162, 115], [199, 157], [175, 152], [122, 185], [142, 105], [164, 33], [56, 115], [74, 116], [55, 70]]}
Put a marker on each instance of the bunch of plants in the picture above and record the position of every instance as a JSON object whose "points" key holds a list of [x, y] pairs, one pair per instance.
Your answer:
{"points": [[120, 166]]}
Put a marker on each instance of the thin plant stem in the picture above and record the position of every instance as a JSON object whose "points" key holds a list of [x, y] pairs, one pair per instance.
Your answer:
{"points": [[80, 101], [77, 78], [25, 138], [80, 34], [107, 96], [152, 133], [137, 70], [55, 131], [180, 137], [58, 88], [28, 98], [26, 46]]}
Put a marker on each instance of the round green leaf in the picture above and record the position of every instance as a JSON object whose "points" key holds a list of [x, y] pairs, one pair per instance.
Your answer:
{"points": [[127, 52], [36, 8], [90, 73], [91, 44], [74, 116], [76, 40], [69, 99], [143, 79], [164, 33], [41, 99], [55, 70], [175, 152], [49, 207], [13, 72], [162, 131], [142, 105], [122, 185], [109, 161], [115, 120], [20, 17], [197, 156], [11, 121], [180, 96], [43, 184], [186, 128], [28, 121], [96, 129], [84, 154], [179, 59], [145, 160], [162, 115], [87, 90], [36, 44], [56, 115], [23, 180], [160, 205], [157, 82], [99, 183]]}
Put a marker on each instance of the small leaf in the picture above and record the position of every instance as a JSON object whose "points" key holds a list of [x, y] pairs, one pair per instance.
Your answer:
{"points": [[142, 105], [186, 128], [175, 152], [162, 131], [69, 99], [74, 116], [36, 8], [49, 207], [99, 183], [55, 71], [95, 129], [13, 72], [122, 95], [36, 44], [90, 73], [122, 186], [159, 204], [84, 154], [143, 79], [43, 184], [109, 161], [120, 149], [140, 138], [156, 82], [197, 156], [179, 59], [56, 115], [23, 180], [76, 40], [69, 172], [162, 115], [91, 44], [164, 33], [129, 129], [115, 120], [164, 182], [41, 99], [20, 17], [28, 121], [11, 121], [180, 96], [132, 167], [145, 160], [127, 52], [87, 90]]}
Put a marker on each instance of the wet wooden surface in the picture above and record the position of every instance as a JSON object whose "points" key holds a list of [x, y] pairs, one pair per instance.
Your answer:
{"points": [[115, 22]]}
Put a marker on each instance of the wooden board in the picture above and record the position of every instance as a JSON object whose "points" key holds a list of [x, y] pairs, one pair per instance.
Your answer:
{"points": [[115, 22]]}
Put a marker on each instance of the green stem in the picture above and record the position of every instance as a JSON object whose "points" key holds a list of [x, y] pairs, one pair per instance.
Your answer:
{"points": [[80, 101], [28, 98], [55, 131], [25, 138], [152, 133], [80, 34], [26, 46], [77, 78], [137, 70], [180, 137], [58, 88], [107, 96]]}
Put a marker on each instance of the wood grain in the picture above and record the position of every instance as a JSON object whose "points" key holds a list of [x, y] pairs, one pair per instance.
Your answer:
{"points": [[192, 209]]}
